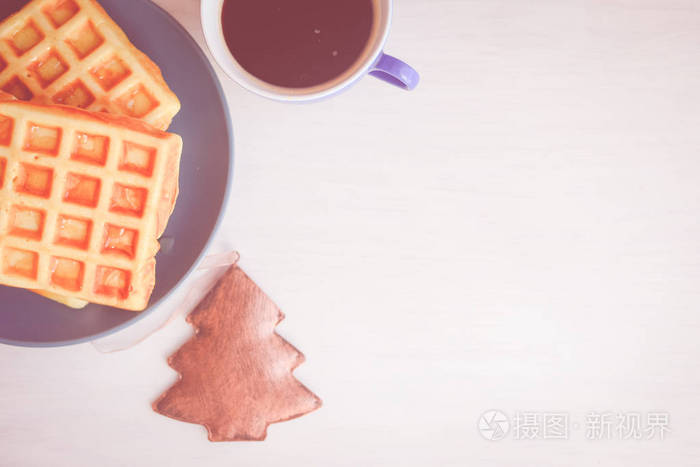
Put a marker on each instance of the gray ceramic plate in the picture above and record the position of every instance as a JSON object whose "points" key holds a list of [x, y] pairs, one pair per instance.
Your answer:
{"points": [[206, 170]]}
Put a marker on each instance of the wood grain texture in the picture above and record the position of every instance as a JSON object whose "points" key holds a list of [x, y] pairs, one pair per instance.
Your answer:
{"points": [[521, 232]]}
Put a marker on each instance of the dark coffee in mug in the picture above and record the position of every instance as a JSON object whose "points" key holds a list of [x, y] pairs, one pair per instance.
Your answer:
{"points": [[297, 43]]}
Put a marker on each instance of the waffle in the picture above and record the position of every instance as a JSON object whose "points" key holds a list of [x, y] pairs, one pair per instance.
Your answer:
{"points": [[71, 52], [83, 199], [68, 301]]}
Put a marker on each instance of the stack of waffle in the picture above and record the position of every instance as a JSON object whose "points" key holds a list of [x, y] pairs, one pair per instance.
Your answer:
{"points": [[84, 194]]}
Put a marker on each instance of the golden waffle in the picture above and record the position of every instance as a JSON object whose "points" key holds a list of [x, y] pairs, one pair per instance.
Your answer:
{"points": [[71, 52], [83, 198], [68, 301]]}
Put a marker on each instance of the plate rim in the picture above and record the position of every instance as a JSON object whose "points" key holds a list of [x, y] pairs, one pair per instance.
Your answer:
{"points": [[226, 198]]}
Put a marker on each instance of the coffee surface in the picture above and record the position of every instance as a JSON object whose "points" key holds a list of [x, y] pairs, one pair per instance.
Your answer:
{"points": [[297, 43]]}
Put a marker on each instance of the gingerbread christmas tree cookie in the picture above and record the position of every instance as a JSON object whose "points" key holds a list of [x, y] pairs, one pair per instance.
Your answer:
{"points": [[236, 372]]}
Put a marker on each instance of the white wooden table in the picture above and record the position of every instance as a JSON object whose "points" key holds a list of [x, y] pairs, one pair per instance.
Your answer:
{"points": [[520, 233]]}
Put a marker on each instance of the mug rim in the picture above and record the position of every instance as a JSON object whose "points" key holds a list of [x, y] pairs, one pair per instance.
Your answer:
{"points": [[217, 46]]}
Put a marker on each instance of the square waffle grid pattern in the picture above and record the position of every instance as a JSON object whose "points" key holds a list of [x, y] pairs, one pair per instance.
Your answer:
{"points": [[78, 206], [70, 52]]}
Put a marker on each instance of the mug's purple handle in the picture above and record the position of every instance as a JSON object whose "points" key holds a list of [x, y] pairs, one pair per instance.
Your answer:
{"points": [[394, 71]]}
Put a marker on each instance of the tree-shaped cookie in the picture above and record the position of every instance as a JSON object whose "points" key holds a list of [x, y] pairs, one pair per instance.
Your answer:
{"points": [[236, 372]]}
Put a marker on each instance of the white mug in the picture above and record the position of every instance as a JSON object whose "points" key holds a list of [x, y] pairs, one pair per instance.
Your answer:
{"points": [[374, 61]]}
